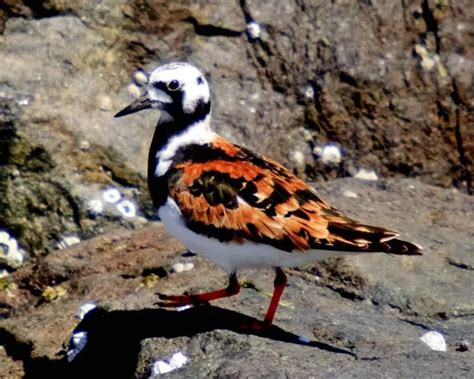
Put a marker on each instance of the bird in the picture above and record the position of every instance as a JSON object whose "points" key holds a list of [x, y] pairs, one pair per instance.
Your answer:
{"points": [[236, 207]]}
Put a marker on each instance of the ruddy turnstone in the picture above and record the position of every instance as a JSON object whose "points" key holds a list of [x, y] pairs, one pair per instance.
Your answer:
{"points": [[236, 207]]}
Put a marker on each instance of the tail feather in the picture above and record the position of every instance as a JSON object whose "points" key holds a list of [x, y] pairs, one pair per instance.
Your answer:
{"points": [[358, 237], [396, 246]]}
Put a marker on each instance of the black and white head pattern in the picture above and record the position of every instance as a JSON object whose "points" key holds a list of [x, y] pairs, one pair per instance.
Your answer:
{"points": [[181, 86]]}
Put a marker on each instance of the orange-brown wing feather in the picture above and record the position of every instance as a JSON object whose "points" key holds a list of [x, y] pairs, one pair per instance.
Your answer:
{"points": [[244, 196]]}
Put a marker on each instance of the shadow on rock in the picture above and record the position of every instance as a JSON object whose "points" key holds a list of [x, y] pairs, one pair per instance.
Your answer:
{"points": [[113, 339]]}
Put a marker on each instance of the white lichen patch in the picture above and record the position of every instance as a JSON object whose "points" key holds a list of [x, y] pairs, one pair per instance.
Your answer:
{"points": [[111, 195], [76, 345], [67, 241], [127, 208], [427, 61], [350, 194], [434, 340], [85, 309], [134, 90], [161, 367], [365, 174], [188, 266], [95, 207], [329, 154], [84, 145], [140, 77], [10, 254], [178, 267], [105, 103], [309, 92], [253, 30], [23, 100], [297, 157], [182, 267]]}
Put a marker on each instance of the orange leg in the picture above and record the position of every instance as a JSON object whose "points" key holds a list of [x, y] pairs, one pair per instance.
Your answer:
{"points": [[280, 283], [179, 300]]}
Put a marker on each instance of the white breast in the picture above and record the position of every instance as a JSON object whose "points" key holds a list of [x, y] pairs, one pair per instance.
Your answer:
{"points": [[230, 255]]}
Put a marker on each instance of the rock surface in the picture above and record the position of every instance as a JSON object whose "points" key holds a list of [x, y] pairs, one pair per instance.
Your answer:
{"points": [[332, 89], [389, 84], [356, 317]]}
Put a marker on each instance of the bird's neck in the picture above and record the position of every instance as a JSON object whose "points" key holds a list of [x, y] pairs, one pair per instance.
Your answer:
{"points": [[172, 134]]}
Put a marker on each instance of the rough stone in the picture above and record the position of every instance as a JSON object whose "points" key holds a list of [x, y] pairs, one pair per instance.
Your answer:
{"points": [[360, 317], [389, 83]]}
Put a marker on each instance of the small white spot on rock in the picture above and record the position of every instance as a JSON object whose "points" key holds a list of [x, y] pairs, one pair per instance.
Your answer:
{"points": [[67, 241], [84, 145], [140, 77], [427, 62], [309, 92], [23, 101], [177, 361], [95, 207], [434, 340], [350, 194], [330, 154], [298, 158], [10, 254], [127, 208], [160, 368], [178, 267], [105, 103], [133, 90], [253, 30], [85, 309], [188, 266], [365, 174], [255, 96], [111, 195], [76, 345], [464, 345], [181, 267]]}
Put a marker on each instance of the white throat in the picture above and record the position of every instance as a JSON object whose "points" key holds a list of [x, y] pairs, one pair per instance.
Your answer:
{"points": [[198, 133]]}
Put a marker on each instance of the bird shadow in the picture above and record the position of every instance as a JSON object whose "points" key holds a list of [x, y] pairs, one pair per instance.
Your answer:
{"points": [[114, 337]]}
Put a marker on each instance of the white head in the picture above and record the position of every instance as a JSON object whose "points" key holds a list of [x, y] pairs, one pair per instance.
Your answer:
{"points": [[179, 89]]}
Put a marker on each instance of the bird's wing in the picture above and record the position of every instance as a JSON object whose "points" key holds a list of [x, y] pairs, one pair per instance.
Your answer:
{"points": [[233, 194]]}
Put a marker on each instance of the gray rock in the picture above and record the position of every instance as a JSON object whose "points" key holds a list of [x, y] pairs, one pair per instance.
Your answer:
{"points": [[388, 83], [391, 84], [356, 317]]}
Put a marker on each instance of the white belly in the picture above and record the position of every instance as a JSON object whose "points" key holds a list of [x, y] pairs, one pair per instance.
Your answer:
{"points": [[230, 255]]}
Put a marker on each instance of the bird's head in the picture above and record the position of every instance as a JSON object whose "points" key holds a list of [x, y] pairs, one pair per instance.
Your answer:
{"points": [[180, 90]]}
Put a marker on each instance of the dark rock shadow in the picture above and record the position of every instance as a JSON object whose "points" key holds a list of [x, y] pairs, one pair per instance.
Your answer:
{"points": [[113, 339]]}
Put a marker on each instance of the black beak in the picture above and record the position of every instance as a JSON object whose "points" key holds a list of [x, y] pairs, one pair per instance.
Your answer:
{"points": [[143, 102]]}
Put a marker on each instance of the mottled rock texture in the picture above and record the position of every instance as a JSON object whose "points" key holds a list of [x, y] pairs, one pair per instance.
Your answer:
{"points": [[389, 83], [375, 307]]}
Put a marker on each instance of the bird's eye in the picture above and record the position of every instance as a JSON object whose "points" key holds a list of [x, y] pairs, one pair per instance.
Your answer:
{"points": [[174, 85]]}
